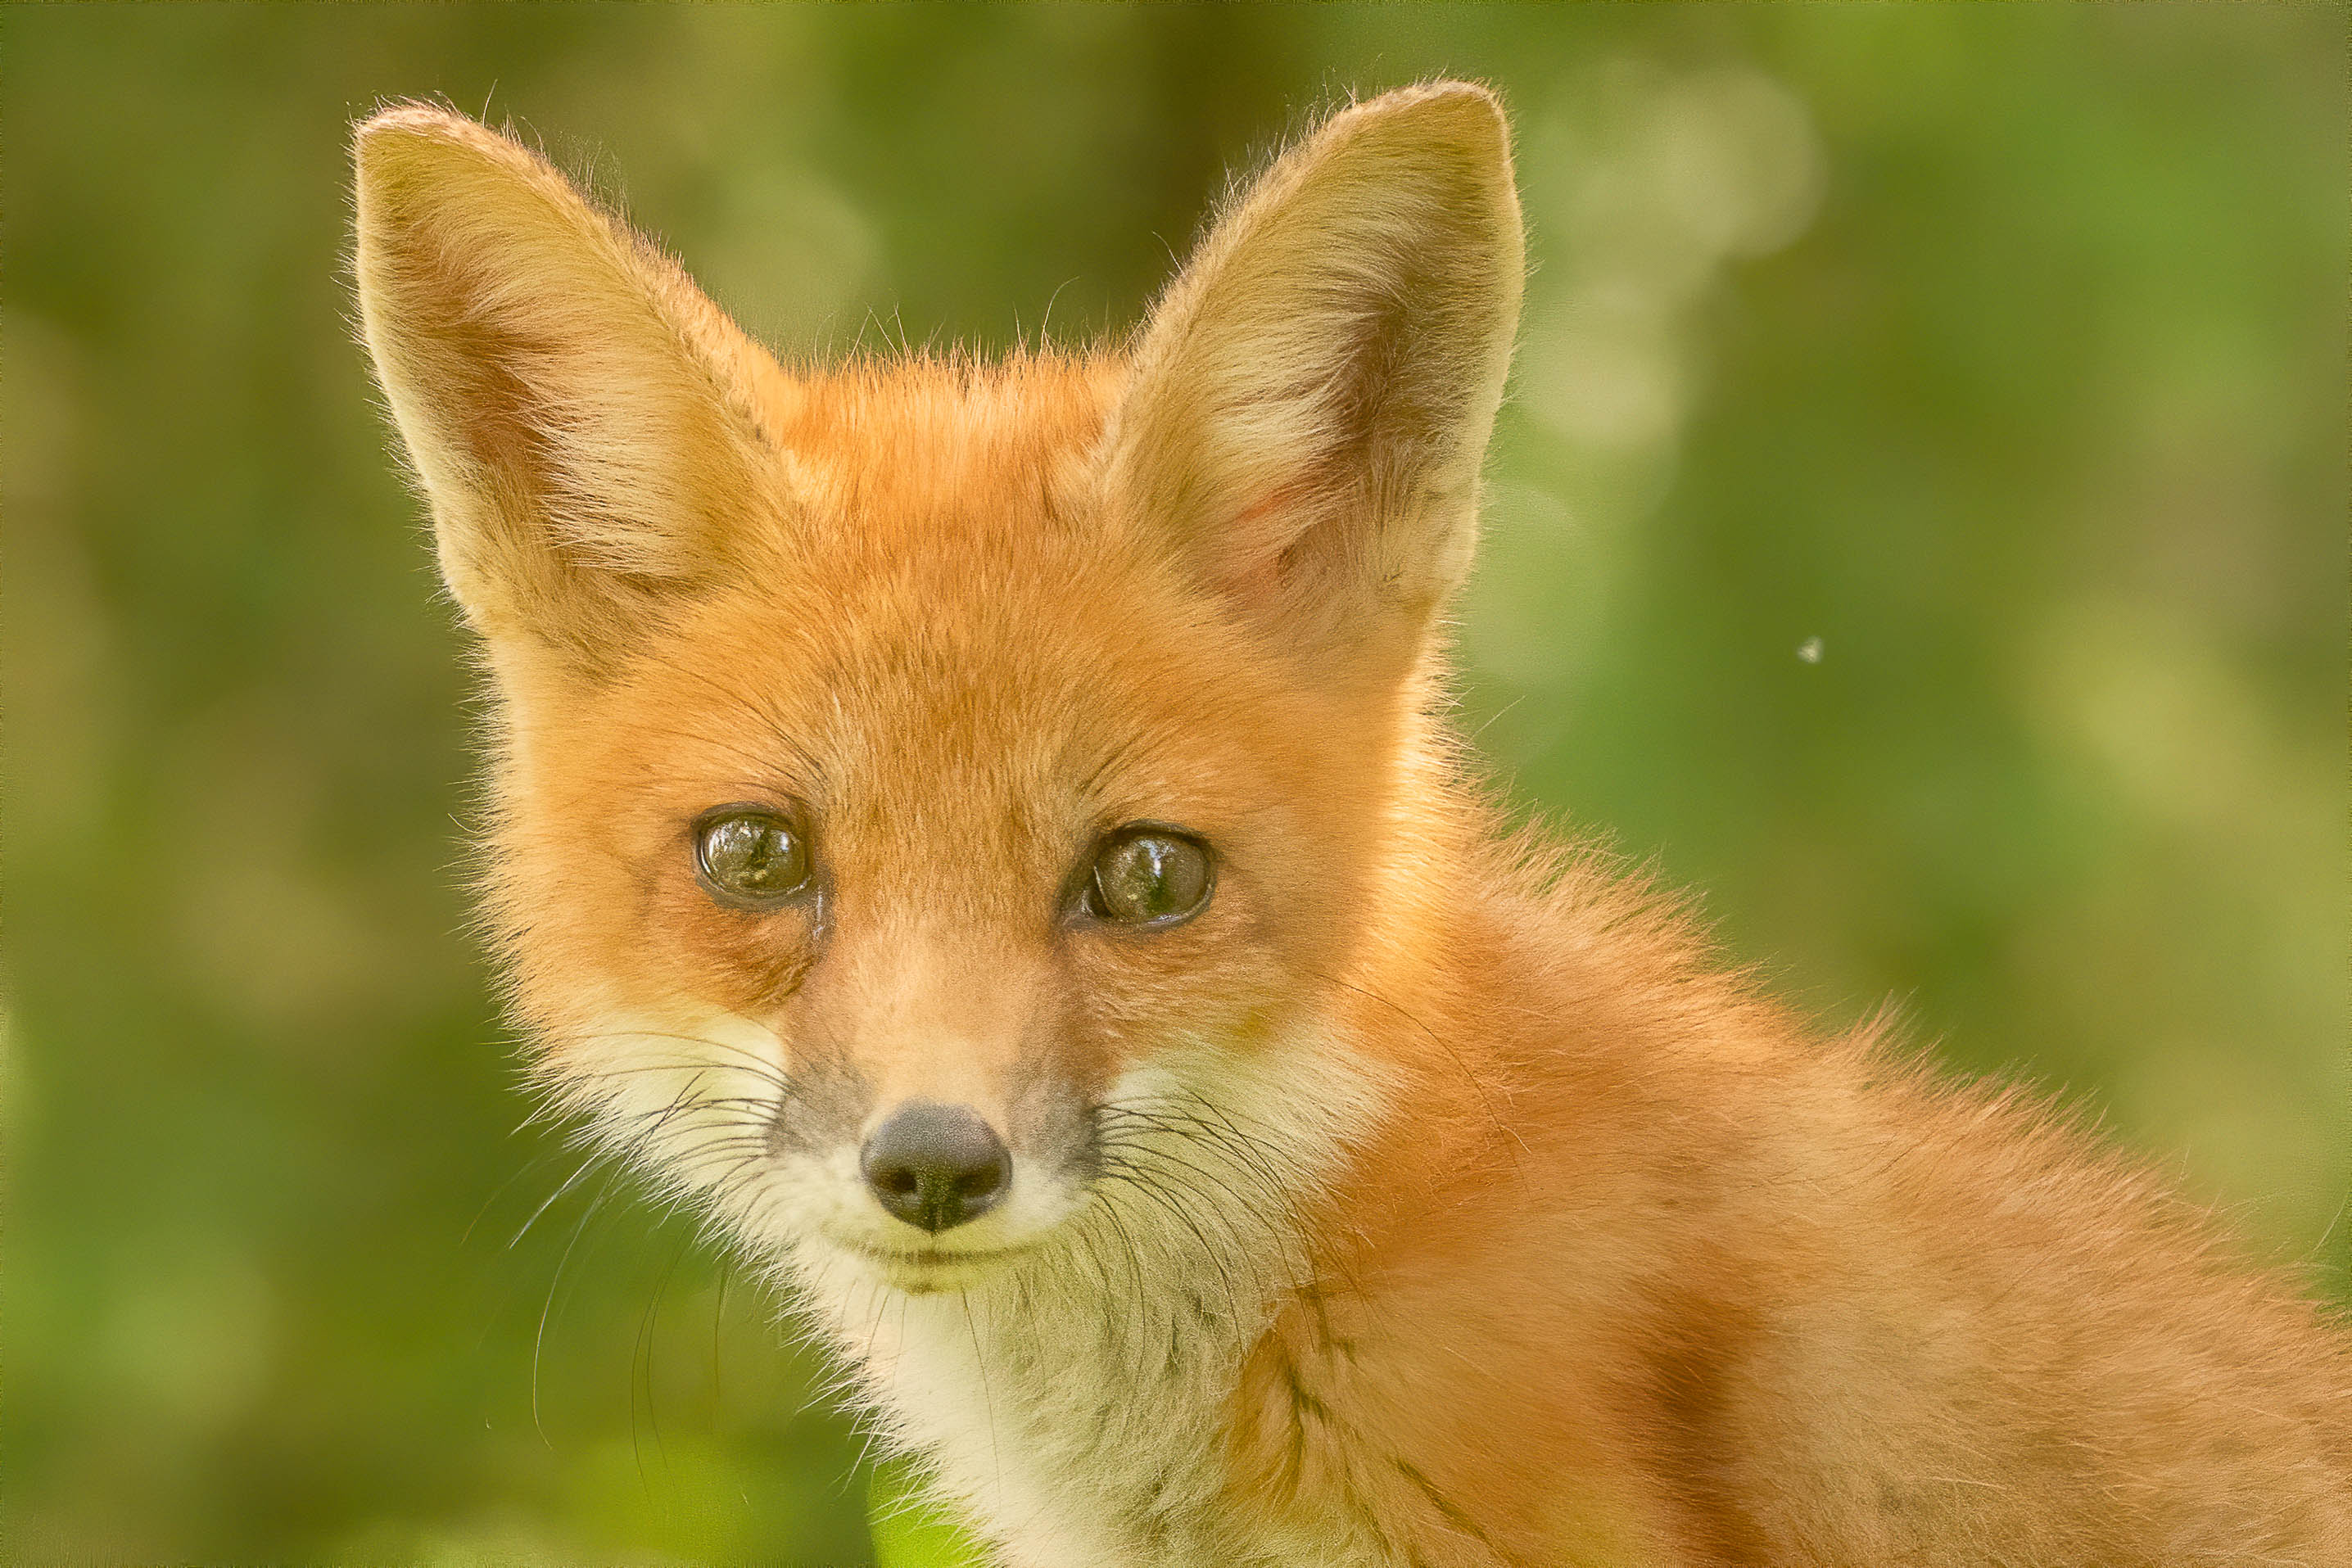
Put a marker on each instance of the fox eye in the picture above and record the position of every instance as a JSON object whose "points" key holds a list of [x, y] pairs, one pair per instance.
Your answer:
{"points": [[1145, 874], [750, 856]]}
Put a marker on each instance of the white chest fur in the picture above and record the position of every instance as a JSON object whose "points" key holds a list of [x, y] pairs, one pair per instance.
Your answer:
{"points": [[1079, 1437]]}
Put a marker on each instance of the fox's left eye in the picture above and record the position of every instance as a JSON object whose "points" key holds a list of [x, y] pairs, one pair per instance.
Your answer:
{"points": [[1145, 874], [750, 856]]}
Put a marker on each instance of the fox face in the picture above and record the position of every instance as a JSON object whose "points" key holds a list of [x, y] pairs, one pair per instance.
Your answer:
{"points": [[928, 796], [900, 906]]}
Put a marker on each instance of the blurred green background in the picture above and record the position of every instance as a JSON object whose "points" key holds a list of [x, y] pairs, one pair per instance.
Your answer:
{"points": [[2002, 350]]}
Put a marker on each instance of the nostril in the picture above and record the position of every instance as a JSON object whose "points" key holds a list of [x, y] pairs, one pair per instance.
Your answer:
{"points": [[936, 1167]]}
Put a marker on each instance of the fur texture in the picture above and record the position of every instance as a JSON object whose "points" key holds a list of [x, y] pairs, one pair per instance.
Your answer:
{"points": [[1431, 1197]]}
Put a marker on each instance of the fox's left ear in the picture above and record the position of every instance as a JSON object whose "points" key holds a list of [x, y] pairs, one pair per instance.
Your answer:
{"points": [[1312, 398]]}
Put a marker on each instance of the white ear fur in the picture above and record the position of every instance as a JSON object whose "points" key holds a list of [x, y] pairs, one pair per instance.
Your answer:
{"points": [[585, 421], [1312, 397]]}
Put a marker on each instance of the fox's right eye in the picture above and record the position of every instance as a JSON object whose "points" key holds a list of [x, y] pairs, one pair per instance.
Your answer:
{"points": [[750, 856]]}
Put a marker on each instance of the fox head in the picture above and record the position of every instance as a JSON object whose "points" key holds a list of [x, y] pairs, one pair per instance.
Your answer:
{"points": [[930, 796]]}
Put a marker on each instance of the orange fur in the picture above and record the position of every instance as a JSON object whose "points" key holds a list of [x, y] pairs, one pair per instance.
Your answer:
{"points": [[1432, 1198]]}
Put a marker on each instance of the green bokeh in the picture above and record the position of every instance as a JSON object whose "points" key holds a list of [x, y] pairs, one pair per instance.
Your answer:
{"points": [[1999, 348]]}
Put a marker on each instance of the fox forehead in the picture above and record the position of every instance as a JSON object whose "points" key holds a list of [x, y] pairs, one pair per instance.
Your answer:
{"points": [[947, 635], [943, 694], [904, 446]]}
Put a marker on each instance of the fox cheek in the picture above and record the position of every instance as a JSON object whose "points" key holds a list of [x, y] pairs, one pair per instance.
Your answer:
{"points": [[825, 1103], [1051, 1117]]}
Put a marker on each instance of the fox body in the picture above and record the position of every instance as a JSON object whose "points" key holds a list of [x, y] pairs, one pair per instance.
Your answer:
{"points": [[983, 831]]}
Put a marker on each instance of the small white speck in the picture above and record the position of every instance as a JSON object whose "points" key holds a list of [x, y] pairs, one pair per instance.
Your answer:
{"points": [[1810, 650]]}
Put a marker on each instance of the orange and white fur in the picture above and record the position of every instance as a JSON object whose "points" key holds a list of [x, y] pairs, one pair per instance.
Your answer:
{"points": [[1372, 1185]]}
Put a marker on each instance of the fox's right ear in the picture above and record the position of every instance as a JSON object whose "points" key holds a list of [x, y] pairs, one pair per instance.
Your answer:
{"points": [[586, 423]]}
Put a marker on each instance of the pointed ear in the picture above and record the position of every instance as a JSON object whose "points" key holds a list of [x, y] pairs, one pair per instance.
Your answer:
{"points": [[586, 425], [1311, 400]]}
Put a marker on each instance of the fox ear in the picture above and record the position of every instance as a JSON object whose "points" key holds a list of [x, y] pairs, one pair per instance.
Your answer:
{"points": [[1311, 400], [586, 423]]}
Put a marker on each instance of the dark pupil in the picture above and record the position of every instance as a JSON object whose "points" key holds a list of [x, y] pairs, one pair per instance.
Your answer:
{"points": [[756, 856], [1150, 878]]}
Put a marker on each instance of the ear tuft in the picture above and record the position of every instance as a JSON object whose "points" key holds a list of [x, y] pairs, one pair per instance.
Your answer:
{"points": [[586, 424], [1312, 398]]}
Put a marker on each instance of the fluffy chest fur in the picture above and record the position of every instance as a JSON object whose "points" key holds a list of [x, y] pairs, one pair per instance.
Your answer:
{"points": [[1078, 1429]]}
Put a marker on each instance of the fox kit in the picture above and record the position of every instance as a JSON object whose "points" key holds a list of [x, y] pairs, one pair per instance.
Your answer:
{"points": [[986, 833]]}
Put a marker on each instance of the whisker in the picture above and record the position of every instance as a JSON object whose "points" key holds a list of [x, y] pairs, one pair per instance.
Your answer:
{"points": [[539, 1340], [570, 1182], [644, 1347]]}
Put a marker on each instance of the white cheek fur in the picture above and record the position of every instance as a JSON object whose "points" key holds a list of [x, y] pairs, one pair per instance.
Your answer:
{"points": [[686, 1097]]}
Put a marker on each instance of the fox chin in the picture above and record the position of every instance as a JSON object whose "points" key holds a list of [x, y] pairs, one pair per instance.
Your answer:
{"points": [[987, 834]]}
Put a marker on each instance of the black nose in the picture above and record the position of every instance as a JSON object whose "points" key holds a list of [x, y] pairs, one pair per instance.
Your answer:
{"points": [[936, 1166]]}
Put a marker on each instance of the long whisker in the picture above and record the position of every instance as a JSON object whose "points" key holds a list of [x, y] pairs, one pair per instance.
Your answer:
{"points": [[569, 1183], [500, 1191], [643, 1350], [718, 1312], [539, 1340]]}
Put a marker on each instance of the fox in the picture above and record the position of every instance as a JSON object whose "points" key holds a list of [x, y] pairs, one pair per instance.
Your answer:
{"points": [[986, 832]]}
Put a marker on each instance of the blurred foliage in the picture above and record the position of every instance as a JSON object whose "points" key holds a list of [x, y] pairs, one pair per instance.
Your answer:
{"points": [[1999, 349]]}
